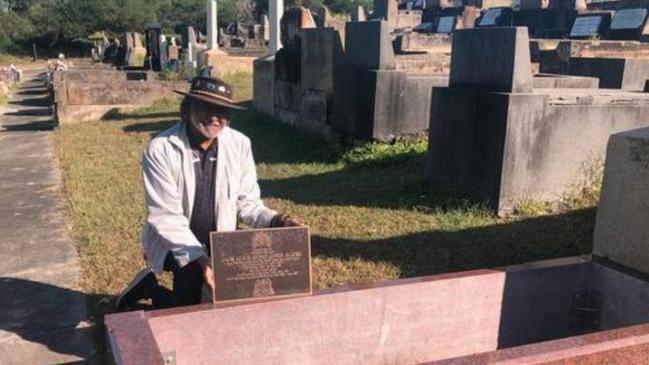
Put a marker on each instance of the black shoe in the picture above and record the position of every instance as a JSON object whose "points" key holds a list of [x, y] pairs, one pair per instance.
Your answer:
{"points": [[141, 287]]}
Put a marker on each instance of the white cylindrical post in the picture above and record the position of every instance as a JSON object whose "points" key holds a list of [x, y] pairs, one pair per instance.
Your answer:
{"points": [[276, 11], [212, 25], [189, 67]]}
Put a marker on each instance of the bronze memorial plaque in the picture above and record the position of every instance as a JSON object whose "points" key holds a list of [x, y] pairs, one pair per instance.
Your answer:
{"points": [[259, 263]]}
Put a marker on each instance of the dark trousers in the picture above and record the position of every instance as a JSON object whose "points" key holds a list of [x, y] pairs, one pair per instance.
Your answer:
{"points": [[187, 285]]}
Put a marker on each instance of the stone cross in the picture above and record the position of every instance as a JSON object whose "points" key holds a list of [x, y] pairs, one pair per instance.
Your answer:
{"points": [[276, 11], [212, 27]]}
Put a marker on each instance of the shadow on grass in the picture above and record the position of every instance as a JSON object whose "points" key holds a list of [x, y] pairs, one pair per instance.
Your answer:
{"points": [[386, 183], [435, 252], [273, 142], [150, 127], [116, 115]]}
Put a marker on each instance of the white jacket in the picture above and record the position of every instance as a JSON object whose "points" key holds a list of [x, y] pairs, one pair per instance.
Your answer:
{"points": [[169, 186]]}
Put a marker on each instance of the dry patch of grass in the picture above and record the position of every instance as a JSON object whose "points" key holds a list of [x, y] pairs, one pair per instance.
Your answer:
{"points": [[371, 218]]}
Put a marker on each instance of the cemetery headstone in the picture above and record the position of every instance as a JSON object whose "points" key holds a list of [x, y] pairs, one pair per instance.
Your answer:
{"points": [[276, 14], [212, 27], [164, 58], [368, 45], [152, 40], [386, 10], [173, 54], [184, 37], [265, 24], [588, 26], [424, 28], [358, 14], [621, 233], [446, 24], [628, 23], [479, 62], [261, 263], [495, 17]]}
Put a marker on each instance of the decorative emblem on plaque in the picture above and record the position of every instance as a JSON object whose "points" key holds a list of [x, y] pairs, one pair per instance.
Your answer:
{"points": [[263, 288], [262, 240]]}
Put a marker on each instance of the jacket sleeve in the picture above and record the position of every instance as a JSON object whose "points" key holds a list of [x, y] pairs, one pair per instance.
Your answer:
{"points": [[165, 211], [250, 208]]}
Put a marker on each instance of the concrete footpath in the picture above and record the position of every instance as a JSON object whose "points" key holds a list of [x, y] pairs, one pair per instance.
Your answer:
{"points": [[43, 317]]}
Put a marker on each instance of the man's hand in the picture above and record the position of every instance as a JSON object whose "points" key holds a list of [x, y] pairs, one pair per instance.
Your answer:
{"points": [[208, 274], [288, 221]]}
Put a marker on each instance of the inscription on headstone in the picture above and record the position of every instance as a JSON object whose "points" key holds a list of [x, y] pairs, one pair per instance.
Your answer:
{"points": [[259, 263], [586, 26], [629, 18]]}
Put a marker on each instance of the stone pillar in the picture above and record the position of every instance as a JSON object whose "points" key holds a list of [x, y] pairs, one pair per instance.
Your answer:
{"points": [[212, 26], [276, 11], [189, 66], [265, 24], [163, 52]]}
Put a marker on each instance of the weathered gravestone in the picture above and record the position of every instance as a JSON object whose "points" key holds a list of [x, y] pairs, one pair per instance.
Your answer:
{"points": [[259, 263], [154, 58], [386, 10], [371, 98], [621, 232], [613, 73], [588, 26], [500, 140], [446, 24], [628, 23], [495, 17], [358, 14]]}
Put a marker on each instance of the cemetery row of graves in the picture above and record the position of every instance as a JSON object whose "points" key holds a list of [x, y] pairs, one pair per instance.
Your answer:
{"points": [[417, 140]]}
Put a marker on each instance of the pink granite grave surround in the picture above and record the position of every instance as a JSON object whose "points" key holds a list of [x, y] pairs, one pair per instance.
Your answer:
{"points": [[449, 319], [382, 325], [373, 323], [624, 346]]}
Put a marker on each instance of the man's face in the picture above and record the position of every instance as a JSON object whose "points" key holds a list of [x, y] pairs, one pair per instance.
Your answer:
{"points": [[208, 121]]}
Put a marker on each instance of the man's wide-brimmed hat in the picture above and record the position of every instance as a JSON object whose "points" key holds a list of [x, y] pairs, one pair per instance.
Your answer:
{"points": [[213, 91]]}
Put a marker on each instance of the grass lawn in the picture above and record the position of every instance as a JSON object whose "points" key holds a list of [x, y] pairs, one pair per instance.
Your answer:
{"points": [[370, 217]]}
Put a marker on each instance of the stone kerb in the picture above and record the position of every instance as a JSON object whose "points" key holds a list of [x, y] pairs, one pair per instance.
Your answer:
{"points": [[493, 59], [621, 230], [80, 101]]}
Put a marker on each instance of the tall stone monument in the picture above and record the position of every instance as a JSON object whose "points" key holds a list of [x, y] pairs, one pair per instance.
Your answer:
{"points": [[210, 57], [212, 28], [276, 13], [163, 52]]}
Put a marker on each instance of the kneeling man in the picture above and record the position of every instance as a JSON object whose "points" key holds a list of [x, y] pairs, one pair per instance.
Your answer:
{"points": [[199, 176]]}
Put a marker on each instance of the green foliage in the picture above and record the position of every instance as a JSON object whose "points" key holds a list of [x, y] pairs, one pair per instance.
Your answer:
{"points": [[53, 24], [386, 154]]}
